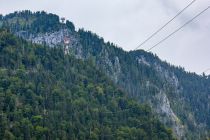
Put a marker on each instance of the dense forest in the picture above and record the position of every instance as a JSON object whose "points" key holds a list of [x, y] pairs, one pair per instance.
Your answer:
{"points": [[45, 94]]}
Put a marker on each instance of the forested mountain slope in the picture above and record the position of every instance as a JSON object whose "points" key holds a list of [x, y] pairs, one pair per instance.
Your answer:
{"points": [[180, 99], [46, 94]]}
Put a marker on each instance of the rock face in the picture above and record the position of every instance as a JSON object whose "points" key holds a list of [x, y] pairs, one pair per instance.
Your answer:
{"points": [[54, 39], [142, 60], [160, 102], [167, 115], [51, 39], [113, 69]]}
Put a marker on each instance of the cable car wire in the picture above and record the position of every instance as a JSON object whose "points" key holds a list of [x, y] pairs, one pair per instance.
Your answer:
{"points": [[150, 37], [188, 22]]}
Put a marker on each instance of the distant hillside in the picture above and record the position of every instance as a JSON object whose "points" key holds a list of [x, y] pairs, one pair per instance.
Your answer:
{"points": [[180, 99]]}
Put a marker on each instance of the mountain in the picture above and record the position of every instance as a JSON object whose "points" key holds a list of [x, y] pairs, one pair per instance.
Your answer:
{"points": [[180, 99], [46, 94]]}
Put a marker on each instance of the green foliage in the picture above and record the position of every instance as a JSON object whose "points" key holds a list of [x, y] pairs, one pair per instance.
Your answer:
{"points": [[38, 22], [45, 94]]}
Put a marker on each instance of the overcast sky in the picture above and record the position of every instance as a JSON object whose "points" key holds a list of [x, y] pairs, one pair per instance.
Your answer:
{"points": [[129, 22]]}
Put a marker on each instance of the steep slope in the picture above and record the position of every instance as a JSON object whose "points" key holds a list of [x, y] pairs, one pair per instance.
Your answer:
{"points": [[180, 99], [46, 94]]}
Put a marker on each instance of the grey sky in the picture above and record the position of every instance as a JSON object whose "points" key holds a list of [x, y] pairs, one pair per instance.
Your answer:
{"points": [[128, 22]]}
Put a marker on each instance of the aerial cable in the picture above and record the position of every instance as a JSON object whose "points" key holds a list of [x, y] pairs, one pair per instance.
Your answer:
{"points": [[188, 22], [150, 37]]}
